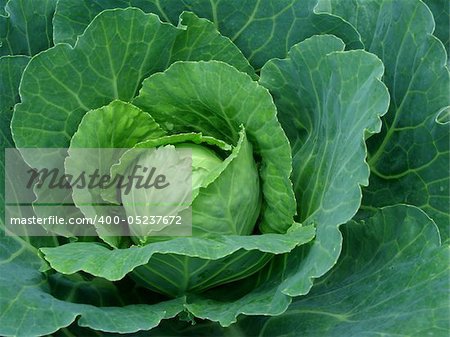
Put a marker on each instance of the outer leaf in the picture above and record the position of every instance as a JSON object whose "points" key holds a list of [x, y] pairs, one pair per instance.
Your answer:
{"points": [[391, 280], [410, 159], [260, 294], [74, 16], [96, 259], [201, 38], [117, 125], [11, 69], [118, 50], [261, 29], [214, 98], [63, 83], [28, 308], [441, 13], [216, 256], [327, 100], [26, 28]]}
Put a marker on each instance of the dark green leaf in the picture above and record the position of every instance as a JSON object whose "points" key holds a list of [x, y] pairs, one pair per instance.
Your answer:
{"points": [[11, 69], [391, 280], [409, 159], [262, 29], [441, 13], [327, 101], [212, 258], [28, 308], [26, 28]]}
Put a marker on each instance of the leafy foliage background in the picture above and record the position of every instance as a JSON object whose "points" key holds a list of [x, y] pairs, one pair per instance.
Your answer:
{"points": [[379, 263]]}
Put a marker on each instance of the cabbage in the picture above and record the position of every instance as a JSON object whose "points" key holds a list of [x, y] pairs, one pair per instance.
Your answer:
{"points": [[304, 146]]}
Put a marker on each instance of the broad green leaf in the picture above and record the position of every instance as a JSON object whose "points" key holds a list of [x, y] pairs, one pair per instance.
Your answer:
{"points": [[130, 318], [61, 84], [116, 125], [409, 159], [72, 17], [201, 38], [28, 306], [109, 61], [215, 99], [199, 262], [11, 69], [441, 13], [261, 29], [327, 101], [21, 285], [198, 39], [391, 280], [26, 27]]}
